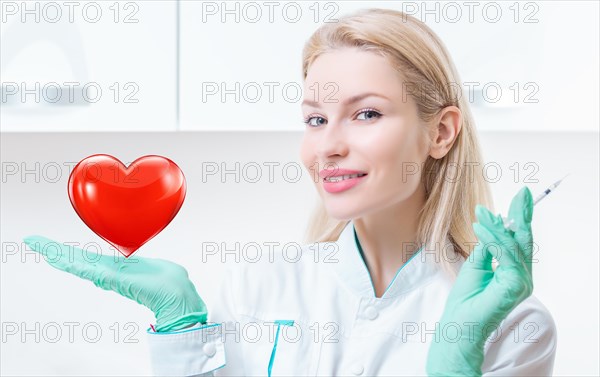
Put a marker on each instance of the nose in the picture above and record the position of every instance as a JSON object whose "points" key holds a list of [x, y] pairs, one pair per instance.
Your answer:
{"points": [[332, 143]]}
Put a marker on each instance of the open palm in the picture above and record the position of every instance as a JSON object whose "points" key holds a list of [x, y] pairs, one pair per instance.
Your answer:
{"points": [[162, 286]]}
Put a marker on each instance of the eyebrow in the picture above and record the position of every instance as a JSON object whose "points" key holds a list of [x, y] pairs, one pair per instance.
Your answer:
{"points": [[349, 101]]}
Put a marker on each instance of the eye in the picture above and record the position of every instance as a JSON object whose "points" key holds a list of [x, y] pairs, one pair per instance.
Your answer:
{"points": [[369, 114], [309, 121]]}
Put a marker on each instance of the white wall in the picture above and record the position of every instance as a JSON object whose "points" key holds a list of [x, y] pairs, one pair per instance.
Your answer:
{"points": [[565, 227]]}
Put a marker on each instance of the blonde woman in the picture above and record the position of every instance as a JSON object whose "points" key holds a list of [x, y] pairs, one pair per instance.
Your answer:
{"points": [[396, 277]]}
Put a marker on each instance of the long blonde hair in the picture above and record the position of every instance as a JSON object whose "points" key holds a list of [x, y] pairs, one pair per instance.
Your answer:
{"points": [[422, 59]]}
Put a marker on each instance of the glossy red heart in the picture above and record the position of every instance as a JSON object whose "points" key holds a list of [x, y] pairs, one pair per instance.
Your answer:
{"points": [[126, 206]]}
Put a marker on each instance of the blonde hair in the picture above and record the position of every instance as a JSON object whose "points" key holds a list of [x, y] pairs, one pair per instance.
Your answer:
{"points": [[421, 58]]}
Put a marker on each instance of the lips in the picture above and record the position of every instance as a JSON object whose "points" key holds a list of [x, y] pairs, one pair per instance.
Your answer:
{"points": [[340, 185]]}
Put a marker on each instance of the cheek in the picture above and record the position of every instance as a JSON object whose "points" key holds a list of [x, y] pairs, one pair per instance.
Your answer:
{"points": [[397, 161]]}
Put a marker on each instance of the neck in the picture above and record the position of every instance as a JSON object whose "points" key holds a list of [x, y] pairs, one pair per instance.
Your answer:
{"points": [[389, 238]]}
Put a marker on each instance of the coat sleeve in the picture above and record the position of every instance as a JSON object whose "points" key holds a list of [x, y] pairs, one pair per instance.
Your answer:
{"points": [[524, 344], [199, 350]]}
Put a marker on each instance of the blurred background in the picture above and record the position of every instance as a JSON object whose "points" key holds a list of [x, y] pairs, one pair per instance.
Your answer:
{"points": [[216, 87]]}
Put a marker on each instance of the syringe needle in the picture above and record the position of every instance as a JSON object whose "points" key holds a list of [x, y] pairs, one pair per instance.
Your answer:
{"points": [[548, 190], [509, 224]]}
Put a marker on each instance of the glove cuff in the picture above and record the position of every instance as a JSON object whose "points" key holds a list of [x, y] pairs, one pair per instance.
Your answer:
{"points": [[183, 321]]}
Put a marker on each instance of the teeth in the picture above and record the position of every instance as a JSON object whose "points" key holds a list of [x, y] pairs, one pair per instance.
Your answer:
{"points": [[343, 177]]}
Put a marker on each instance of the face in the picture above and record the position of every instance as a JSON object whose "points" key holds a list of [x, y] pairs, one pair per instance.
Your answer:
{"points": [[378, 134]]}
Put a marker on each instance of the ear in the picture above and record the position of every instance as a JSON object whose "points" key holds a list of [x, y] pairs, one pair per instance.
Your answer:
{"points": [[445, 131]]}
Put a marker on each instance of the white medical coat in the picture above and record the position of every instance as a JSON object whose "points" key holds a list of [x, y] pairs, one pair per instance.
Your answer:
{"points": [[317, 314]]}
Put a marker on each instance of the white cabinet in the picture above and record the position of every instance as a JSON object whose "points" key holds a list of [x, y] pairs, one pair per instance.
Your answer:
{"points": [[241, 63], [114, 65], [88, 66], [532, 66], [529, 66]]}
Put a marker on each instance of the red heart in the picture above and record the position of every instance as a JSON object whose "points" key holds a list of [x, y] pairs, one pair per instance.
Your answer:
{"points": [[126, 206]]}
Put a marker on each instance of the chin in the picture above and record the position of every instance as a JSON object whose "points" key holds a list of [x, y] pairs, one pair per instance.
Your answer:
{"points": [[341, 214]]}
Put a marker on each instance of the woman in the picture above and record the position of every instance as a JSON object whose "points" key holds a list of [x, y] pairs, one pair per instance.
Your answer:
{"points": [[394, 284]]}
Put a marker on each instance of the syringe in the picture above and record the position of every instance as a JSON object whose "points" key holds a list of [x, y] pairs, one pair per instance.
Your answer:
{"points": [[509, 224]]}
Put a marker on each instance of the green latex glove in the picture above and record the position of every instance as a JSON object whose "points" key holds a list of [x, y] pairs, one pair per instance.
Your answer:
{"points": [[482, 296], [160, 285]]}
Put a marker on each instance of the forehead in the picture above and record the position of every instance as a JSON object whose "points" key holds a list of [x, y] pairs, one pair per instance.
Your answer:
{"points": [[351, 71]]}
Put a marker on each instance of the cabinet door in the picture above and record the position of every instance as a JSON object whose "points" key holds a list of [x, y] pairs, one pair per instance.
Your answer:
{"points": [[530, 66], [241, 63], [88, 66]]}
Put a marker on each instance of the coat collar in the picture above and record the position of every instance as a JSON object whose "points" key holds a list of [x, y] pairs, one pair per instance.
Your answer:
{"points": [[352, 270]]}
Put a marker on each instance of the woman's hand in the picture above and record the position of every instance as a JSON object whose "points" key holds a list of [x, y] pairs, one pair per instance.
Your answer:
{"points": [[481, 298], [160, 285]]}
